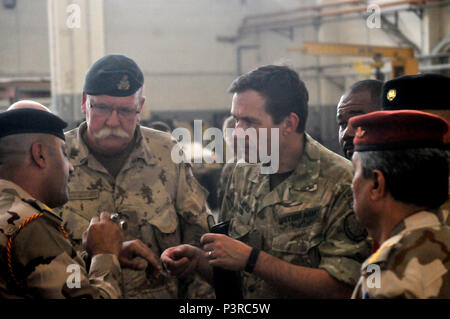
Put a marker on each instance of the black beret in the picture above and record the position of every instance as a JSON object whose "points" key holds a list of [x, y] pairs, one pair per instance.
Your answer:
{"points": [[417, 92], [23, 121], [114, 75]]}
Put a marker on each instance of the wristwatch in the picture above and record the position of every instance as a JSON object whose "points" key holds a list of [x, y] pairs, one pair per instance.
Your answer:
{"points": [[251, 262]]}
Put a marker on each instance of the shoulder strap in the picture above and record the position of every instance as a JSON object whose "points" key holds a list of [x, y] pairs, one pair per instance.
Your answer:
{"points": [[14, 234]]}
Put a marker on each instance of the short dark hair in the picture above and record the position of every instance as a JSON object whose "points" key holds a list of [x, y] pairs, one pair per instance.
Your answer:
{"points": [[413, 176], [373, 86], [281, 87]]}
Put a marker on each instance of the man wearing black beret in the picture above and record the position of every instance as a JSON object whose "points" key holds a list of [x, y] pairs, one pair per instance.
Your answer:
{"points": [[126, 169], [37, 260], [400, 180], [423, 92]]}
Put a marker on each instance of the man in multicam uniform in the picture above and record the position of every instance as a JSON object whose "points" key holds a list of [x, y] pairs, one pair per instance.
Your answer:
{"points": [[125, 168], [406, 92], [36, 259], [400, 181], [294, 232]]}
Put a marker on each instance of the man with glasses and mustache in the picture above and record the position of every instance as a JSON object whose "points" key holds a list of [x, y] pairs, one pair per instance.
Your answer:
{"points": [[126, 169]]}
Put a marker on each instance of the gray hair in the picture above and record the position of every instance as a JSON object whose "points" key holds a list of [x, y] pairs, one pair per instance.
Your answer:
{"points": [[14, 149], [414, 176]]}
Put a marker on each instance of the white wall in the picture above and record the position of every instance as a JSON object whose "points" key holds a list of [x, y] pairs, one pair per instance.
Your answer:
{"points": [[174, 41], [24, 39]]}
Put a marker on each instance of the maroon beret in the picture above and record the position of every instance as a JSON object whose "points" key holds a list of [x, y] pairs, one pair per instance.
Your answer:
{"points": [[392, 130]]}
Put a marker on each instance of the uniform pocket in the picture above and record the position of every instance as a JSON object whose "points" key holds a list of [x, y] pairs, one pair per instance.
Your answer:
{"points": [[298, 234], [165, 219]]}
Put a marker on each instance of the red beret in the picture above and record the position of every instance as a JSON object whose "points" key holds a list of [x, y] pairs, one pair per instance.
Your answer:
{"points": [[392, 130]]}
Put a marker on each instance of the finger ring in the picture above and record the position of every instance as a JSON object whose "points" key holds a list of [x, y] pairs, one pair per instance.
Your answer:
{"points": [[210, 254], [123, 225], [114, 217]]}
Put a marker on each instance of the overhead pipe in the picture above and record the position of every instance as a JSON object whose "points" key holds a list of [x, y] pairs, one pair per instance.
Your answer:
{"points": [[358, 9], [338, 12], [302, 8]]}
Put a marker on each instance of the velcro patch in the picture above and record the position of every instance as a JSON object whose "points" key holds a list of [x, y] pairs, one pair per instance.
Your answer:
{"points": [[91, 194], [301, 218]]}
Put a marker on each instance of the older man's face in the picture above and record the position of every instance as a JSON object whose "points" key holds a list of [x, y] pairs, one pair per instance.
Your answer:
{"points": [[111, 121]]}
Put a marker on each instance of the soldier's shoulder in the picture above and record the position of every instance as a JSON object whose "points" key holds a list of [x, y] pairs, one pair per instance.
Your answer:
{"points": [[334, 166], [14, 212], [157, 139], [424, 247], [71, 137]]}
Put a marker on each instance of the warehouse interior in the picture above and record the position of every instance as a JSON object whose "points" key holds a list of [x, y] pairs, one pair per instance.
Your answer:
{"points": [[191, 50]]}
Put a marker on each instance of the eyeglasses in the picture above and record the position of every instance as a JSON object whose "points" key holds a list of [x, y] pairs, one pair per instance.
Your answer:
{"points": [[123, 113]]}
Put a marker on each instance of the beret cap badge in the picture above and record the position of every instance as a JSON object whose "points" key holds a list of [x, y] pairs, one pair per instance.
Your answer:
{"points": [[124, 84], [391, 94], [360, 132]]}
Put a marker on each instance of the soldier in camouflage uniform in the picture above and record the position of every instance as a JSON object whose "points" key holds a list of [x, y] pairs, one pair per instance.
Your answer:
{"points": [[292, 233], [400, 181], [127, 169], [36, 258], [406, 92]]}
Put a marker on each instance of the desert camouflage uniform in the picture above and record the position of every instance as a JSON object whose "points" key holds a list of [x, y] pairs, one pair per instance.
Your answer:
{"points": [[444, 210], [306, 220], [162, 202], [414, 262], [40, 254]]}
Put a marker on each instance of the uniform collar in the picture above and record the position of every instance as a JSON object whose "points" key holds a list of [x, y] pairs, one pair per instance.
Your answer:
{"points": [[303, 179], [415, 221]]}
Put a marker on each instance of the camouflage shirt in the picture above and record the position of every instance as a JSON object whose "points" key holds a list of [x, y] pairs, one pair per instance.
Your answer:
{"points": [[43, 262], [413, 263], [225, 175], [444, 210], [306, 220], [162, 202]]}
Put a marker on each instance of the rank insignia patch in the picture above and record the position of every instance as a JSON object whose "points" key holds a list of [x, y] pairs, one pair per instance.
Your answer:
{"points": [[124, 84]]}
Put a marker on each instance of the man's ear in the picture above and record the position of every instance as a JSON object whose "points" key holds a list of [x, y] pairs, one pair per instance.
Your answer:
{"points": [[140, 108], [39, 154], [83, 102], [378, 189], [290, 124]]}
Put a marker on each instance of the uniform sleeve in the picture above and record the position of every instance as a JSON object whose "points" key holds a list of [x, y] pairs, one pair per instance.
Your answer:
{"points": [[345, 245], [191, 206], [54, 270]]}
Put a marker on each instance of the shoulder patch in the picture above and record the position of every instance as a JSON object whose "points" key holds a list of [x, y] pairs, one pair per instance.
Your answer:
{"points": [[353, 228]]}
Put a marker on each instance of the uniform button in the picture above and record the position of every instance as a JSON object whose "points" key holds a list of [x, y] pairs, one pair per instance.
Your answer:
{"points": [[10, 229]]}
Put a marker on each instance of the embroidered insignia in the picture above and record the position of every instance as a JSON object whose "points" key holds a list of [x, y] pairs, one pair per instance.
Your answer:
{"points": [[124, 84], [360, 132], [391, 94]]}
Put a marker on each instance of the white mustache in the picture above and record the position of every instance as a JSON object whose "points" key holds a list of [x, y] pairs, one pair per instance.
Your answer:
{"points": [[107, 132]]}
